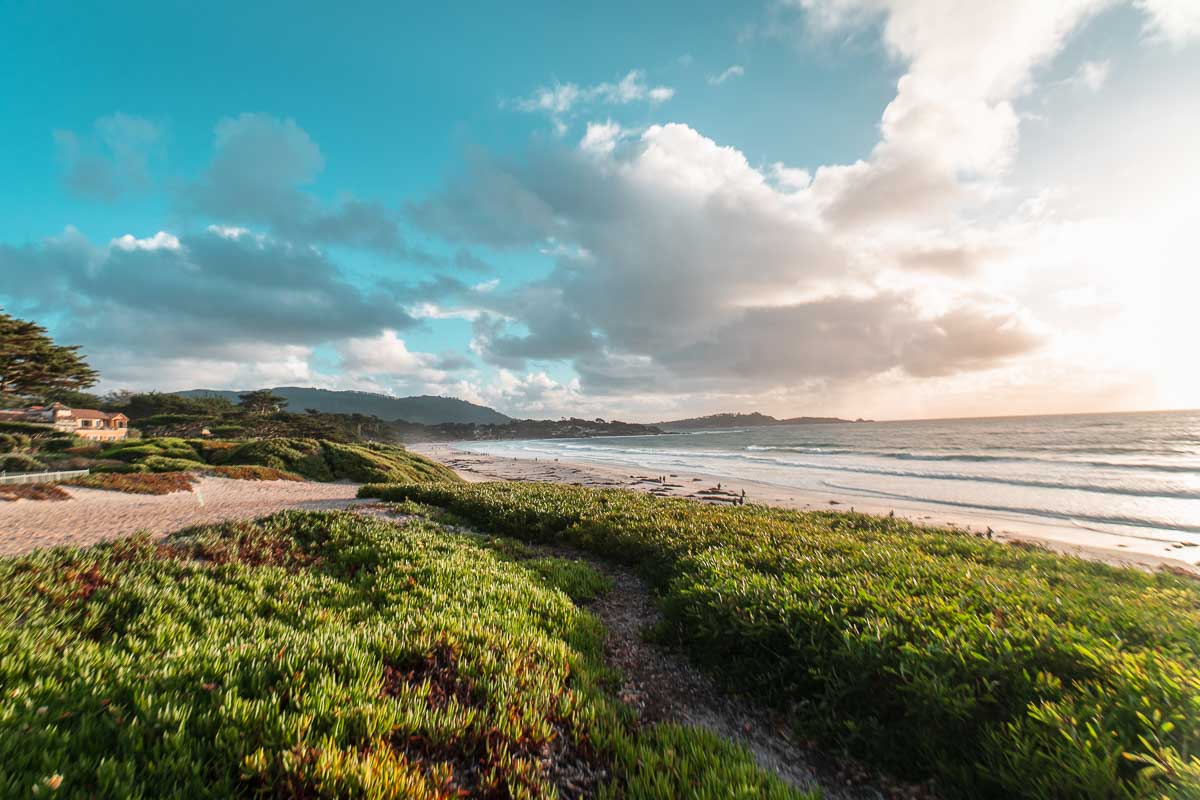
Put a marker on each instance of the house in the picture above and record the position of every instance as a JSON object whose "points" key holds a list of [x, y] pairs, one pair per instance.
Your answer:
{"points": [[86, 423]]}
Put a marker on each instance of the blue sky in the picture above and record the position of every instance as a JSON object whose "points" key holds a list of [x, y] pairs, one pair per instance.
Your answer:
{"points": [[860, 207]]}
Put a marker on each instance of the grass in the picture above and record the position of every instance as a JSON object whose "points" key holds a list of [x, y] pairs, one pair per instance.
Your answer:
{"points": [[997, 671], [324, 655]]}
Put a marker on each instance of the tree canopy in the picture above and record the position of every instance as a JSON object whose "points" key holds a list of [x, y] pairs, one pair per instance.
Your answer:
{"points": [[33, 366], [262, 401]]}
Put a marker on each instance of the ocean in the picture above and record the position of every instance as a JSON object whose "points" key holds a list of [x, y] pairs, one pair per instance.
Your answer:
{"points": [[1132, 474]]}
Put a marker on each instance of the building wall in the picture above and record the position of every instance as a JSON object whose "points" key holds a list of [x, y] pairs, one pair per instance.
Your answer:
{"points": [[101, 434]]}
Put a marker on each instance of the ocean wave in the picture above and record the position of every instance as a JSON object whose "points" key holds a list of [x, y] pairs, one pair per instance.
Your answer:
{"points": [[1075, 518], [719, 462], [972, 458]]}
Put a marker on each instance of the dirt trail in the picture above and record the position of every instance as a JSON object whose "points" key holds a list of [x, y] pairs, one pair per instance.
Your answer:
{"points": [[663, 687], [93, 516]]}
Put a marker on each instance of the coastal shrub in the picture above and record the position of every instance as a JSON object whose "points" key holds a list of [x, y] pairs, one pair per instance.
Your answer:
{"points": [[136, 483], [998, 671], [227, 430], [301, 456], [251, 473], [167, 447], [314, 459], [32, 491], [20, 462], [322, 655], [158, 420], [13, 442], [27, 428], [114, 466], [167, 464], [59, 442], [213, 451], [382, 463]]}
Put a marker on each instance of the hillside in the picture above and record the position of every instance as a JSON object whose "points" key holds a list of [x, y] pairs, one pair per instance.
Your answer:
{"points": [[751, 420], [423, 409]]}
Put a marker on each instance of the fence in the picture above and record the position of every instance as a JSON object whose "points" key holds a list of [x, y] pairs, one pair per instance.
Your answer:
{"points": [[41, 477]]}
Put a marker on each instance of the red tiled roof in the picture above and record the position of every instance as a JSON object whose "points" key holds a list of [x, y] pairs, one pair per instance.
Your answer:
{"points": [[89, 413]]}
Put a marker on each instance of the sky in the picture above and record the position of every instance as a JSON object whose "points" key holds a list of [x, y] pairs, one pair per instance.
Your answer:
{"points": [[861, 208]]}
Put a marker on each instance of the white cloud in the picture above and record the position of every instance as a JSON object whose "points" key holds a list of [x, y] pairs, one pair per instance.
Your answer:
{"points": [[704, 273], [601, 137], [435, 311], [1091, 75], [534, 394], [555, 99], [560, 99], [386, 355], [790, 178], [159, 241], [734, 71], [919, 269], [1178, 21]]}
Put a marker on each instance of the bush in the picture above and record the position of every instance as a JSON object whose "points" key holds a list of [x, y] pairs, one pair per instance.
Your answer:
{"points": [[999, 671], [301, 456], [165, 464], [252, 473], [160, 420], [162, 446], [322, 655], [112, 466], [19, 462], [213, 451], [226, 430], [382, 463], [32, 491], [60, 442], [136, 483], [13, 442], [28, 428]]}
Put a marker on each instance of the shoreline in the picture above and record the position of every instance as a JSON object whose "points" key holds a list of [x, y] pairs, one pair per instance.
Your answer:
{"points": [[1114, 549]]}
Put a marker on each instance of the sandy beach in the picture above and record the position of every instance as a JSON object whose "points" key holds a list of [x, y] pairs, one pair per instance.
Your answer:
{"points": [[92, 516], [1064, 538]]}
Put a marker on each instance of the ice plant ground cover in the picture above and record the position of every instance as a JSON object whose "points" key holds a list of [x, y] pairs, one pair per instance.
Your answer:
{"points": [[314, 459], [326, 654], [998, 671]]}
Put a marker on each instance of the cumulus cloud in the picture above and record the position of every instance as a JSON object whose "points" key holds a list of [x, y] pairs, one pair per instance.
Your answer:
{"points": [[113, 159], [1177, 21], [952, 130], [387, 356], [534, 394], [259, 174], [213, 296], [702, 273]]}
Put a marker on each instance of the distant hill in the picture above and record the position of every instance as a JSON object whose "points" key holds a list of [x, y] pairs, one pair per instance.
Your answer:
{"points": [[425, 409], [752, 420]]}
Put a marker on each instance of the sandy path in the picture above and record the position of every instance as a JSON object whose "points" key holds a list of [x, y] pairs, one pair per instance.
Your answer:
{"points": [[92, 516], [660, 685], [1111, 548]]}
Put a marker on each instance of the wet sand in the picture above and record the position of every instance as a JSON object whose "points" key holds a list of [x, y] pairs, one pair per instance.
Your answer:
{"points": [[1114, 549]]}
